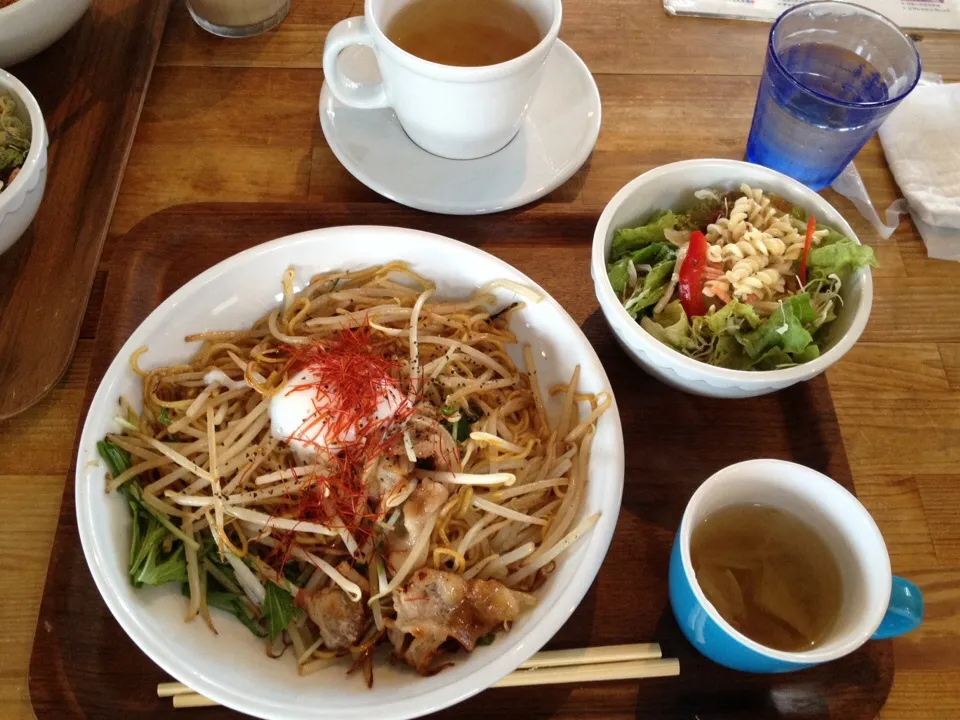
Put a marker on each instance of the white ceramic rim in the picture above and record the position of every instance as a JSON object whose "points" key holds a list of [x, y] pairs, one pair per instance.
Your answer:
{"points": [[152, 644], [10, 10], [748, 379], [38, 129], [586, 145], [452, 73], [868, 625]]}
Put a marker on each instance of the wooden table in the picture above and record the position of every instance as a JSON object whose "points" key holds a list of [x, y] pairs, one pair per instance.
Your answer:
{"points": [[237, 120]]}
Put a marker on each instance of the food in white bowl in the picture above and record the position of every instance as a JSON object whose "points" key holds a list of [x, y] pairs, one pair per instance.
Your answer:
{"points": [[729, 279], [28, 27], [738, 279], [23, 159], [363, 465], [14, 140], [431, 462]]}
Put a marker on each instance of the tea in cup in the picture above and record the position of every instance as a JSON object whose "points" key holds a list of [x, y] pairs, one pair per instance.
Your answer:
{"points": [[776, 567], [459, 74]]}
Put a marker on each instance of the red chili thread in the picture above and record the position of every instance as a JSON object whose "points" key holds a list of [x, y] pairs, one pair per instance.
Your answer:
{"points": [[352, 372]]}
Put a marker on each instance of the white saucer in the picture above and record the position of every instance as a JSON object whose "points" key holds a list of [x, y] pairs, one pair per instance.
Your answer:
{"points": [[555, 139]]}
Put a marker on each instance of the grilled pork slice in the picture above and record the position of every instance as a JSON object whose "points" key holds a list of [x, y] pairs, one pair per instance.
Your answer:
{"points": [[435, 605], [424, 502], [340, 619]]}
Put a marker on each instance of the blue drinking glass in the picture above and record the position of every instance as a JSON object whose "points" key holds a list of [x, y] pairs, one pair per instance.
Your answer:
{"points": [[833, 73]]}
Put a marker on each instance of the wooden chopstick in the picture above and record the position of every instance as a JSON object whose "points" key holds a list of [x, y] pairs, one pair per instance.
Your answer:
{"points": [[614, 662], [593, 655], [172, 689], [192, 700], [628, 670]]}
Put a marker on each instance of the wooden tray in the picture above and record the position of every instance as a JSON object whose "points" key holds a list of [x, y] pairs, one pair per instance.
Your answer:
{"points": [[90, 86], [83, 665]]}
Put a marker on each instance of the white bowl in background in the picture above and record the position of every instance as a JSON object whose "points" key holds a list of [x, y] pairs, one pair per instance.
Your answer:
{"points": [[232, 295], [31, 26], [20, 199], [672, 186]]}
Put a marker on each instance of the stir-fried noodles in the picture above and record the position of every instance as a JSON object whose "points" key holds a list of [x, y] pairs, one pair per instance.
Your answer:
{"points": [[365, 465]]}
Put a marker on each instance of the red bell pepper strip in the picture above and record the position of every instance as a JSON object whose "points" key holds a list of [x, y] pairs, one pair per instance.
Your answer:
{"points": [[811, 228], [690, 279]]}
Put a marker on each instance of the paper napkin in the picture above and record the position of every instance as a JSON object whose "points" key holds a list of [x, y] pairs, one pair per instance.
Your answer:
{"points": [[921, 139]]}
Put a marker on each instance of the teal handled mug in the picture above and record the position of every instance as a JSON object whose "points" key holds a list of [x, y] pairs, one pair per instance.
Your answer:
{"points": [[876, 605]]}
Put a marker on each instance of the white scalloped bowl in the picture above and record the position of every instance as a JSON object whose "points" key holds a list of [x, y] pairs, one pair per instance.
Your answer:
{"points": [[232, 667], [28, 27], [19, 200], [671, 186]]}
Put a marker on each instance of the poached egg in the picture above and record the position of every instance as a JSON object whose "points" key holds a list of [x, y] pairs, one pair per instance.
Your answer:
{"points": [[308, 415]]}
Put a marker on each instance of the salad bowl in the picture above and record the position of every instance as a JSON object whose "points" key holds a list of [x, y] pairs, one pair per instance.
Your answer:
{"points": [[20, 199]]}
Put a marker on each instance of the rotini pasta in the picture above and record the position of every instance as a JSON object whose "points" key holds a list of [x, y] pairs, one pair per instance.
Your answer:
{"points": [[782, 228], [754, 242], [759, 211], [762, 284], [754, 246], [744, 268]]}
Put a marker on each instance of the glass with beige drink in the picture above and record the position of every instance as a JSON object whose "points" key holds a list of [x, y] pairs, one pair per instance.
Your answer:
{"points": [[238, 18]]}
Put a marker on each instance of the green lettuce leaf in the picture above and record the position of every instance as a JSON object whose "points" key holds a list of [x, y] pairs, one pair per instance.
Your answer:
{"points": [[773, 359], [810, 352], [776, 358], [784, 329], [653, 254], [832, 237], [727, 352], [671, 327], [643, 299], [651, 289], [725, 318], [619, 274], [627, 240], [12, 157], [659, 275], [839, 257]]}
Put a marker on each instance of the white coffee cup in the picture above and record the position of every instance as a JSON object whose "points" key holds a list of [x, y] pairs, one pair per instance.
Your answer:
{"points": [[455, 112]]}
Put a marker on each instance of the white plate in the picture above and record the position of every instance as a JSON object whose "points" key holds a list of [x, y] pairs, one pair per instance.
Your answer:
{"points": [[231, 667], [556, 138]]}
